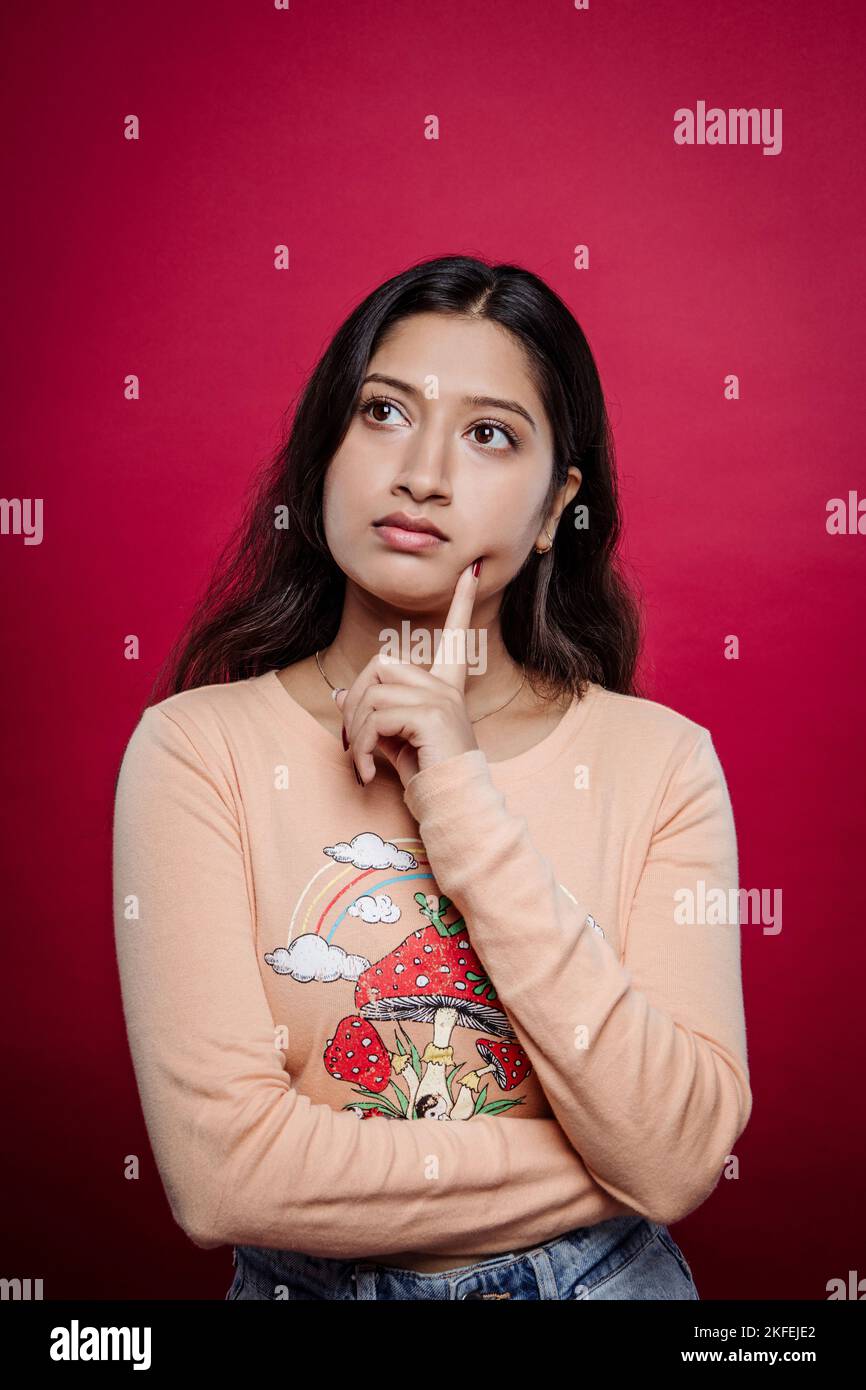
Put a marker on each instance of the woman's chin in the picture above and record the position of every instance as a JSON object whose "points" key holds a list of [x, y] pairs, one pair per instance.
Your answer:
{"points": [[411, 595]]}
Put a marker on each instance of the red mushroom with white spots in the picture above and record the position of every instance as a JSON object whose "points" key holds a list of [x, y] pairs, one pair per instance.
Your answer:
{"points": [[507, 1061], [357, 1053]]}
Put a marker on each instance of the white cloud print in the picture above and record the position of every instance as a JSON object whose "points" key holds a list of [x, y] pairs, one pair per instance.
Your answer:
{"points": [[374, 909], [310, 957], [370, 851]]}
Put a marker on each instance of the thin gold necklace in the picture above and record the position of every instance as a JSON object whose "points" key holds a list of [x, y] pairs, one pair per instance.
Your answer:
{"points": [[472, 721]]}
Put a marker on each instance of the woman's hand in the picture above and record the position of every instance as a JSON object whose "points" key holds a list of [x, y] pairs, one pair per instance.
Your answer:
{"points": [[413, 716]]}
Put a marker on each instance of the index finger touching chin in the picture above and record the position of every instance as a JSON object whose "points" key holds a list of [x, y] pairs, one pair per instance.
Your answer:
{"points": [[450, 663]]}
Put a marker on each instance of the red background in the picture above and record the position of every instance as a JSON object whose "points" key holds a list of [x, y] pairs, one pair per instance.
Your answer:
{"points": [[155, 257]]}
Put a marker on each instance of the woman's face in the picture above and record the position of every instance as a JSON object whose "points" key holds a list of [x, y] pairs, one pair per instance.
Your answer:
{"points": [[477, 472]]}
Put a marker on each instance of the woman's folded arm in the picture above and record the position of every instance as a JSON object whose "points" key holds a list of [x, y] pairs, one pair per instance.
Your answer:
{"points": [[643, 1061], [244, 1157]]}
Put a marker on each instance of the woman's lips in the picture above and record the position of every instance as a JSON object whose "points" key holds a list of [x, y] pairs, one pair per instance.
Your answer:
{"points": [[398, 539]]}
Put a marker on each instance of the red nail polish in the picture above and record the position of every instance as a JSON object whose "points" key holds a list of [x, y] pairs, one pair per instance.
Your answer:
{"points": [[476, 569], [345, 740]]}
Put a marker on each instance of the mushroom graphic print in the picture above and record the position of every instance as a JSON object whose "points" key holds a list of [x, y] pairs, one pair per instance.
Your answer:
{"points": [[431, 981], [434, 976]]}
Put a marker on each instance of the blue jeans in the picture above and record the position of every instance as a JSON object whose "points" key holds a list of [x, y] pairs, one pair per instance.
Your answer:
{"points": [[626, 1257]]}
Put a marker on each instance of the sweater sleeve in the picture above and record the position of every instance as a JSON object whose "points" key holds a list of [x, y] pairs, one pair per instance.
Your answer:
{"points": [[243, 1156], [643, 1060]]}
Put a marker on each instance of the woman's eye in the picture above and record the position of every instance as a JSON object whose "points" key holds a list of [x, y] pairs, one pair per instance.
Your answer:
{"points": [[490, 428], [376, 404]]}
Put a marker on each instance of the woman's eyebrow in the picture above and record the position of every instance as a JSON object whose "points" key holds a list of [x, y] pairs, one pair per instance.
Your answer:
{"points": [[467, 400]]}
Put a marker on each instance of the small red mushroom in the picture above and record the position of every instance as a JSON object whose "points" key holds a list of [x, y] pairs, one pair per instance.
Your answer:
{"points": [[509, 1064], [507, 1060], [357, 1053]]}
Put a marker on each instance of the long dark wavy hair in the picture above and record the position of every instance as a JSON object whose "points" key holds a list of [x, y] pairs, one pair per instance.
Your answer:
{"points": [[276, 594]]}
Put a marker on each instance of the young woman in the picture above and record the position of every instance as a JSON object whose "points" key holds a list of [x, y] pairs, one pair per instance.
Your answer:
{"points": [[398, 839]]}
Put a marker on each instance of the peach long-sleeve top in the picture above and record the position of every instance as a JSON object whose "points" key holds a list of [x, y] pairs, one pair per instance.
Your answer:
{"points": [[540, 957]]}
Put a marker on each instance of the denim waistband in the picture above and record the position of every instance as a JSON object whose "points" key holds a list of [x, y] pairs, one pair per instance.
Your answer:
{"points": [[627, 1256]]}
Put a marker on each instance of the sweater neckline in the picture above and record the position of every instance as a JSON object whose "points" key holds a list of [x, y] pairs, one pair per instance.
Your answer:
{"points": [[299, 720]]}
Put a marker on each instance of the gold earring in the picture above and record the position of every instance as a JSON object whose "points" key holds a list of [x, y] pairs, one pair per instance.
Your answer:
{"points": [[544, 549]]}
